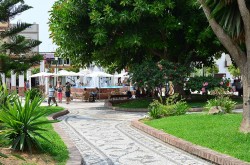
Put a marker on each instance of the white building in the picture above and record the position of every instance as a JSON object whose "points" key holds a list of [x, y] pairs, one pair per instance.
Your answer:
{"points": [[223, 63], [31, 32]]}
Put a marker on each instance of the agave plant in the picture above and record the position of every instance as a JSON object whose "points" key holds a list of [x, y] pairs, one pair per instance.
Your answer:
{"points": [[22, 123]]}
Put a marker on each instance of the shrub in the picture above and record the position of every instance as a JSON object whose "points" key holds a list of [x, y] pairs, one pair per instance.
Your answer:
{"points": [[22, 123], [155, 109], [5, 96], [171, 100], [228, 105], [222, 99], [34, 92], [197, 83], [181, 107], [168, 110], [224, 102], [174, 106]]}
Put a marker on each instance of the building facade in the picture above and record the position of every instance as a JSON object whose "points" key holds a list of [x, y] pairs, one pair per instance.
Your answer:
{"points": [[19, 83]]}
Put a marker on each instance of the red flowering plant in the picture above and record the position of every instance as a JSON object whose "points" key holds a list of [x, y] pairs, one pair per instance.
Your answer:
{"points": [[152, 74], [205, 83]]}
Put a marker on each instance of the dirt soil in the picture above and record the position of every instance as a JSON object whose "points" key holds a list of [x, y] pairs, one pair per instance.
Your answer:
{"points": [[23, 158]]}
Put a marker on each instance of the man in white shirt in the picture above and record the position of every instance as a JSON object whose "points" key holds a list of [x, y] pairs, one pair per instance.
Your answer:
{"points": [[51, 95]]}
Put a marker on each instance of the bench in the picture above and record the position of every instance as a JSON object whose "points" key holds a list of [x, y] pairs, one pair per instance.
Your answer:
{"points": [[77, 95]]}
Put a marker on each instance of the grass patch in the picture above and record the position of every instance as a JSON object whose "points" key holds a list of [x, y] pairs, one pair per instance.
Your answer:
{"points": [[138, 103], [3, 141], [144, 103], [217, 132], [55, 146]]}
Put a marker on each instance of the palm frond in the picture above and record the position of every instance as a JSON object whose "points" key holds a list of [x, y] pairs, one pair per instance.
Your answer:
{"points": [[227, 13]]}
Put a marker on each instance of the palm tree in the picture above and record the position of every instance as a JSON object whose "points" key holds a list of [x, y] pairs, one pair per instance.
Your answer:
{"points": [[230, 21]]}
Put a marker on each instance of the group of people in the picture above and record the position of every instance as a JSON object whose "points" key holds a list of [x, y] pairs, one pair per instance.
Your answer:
{"points": [[90, 96], [59, 88]]}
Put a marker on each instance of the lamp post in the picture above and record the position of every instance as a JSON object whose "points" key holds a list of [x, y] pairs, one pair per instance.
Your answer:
{"points": [[1, 65], [56, 60]]}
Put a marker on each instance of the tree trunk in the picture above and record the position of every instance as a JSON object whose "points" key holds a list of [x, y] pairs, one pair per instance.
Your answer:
{"points": [[245, 124], [241, 57], [179, 89]]}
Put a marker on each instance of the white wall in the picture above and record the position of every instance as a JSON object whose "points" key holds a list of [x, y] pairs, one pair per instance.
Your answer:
{"points": [[221, 64]]}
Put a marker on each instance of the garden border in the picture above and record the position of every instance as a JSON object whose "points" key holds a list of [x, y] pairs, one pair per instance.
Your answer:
{"points": [[108, 104], [75, 157], [189, 147]]}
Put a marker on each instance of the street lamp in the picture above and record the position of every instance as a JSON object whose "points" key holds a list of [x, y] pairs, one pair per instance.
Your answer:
{"points": [[56, 60]]}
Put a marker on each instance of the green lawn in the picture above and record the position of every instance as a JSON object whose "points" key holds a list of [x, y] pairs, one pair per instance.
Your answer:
{"points": [[218, 132], [55, 147], [143, 103], [138, 103]]}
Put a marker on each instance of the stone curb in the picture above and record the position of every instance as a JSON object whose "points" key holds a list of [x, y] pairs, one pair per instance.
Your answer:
{"points": [[75, 157], [202, 152]]}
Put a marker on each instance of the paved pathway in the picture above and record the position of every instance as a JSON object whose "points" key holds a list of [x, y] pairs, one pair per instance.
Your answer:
{"points": [[105, 137]]}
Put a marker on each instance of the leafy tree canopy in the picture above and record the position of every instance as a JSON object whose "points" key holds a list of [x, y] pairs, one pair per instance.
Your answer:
{"points": [[122, 33], [150, 74]]}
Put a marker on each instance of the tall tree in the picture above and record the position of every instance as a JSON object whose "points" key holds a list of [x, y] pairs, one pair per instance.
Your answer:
{"points": [[15, 49], [230, 21], [123, 33]]}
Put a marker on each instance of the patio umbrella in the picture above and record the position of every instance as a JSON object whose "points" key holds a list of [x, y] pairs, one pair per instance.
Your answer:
{"points": [[125, 74], [42, 74], [68, 73], [98, 74]]}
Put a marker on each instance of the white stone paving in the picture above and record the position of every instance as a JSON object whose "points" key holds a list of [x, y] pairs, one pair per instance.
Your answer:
{"points": [[105, 137]]}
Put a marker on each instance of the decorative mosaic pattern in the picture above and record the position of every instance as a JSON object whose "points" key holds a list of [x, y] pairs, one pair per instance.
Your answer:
{"points": [[105, 137]]}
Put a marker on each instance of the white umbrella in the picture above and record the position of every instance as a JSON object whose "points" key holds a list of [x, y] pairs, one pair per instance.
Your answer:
{"points": [[122, 75], [42, 74], [98, 74], [67, 73]]}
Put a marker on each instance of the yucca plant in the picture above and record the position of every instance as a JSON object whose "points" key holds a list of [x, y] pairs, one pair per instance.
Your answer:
{"points": [[22, 123]]}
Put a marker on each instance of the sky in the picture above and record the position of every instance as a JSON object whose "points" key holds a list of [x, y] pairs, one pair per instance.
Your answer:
{"points": [[39, 14]]}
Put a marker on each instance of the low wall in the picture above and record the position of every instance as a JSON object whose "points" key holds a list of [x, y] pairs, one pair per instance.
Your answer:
{"points": [[104, 93]]}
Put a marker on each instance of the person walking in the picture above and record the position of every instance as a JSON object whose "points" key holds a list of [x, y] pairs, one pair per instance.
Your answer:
{"points": [[67, 92], [51, 95], [85, 95], [59, 92], [27, 85]]}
